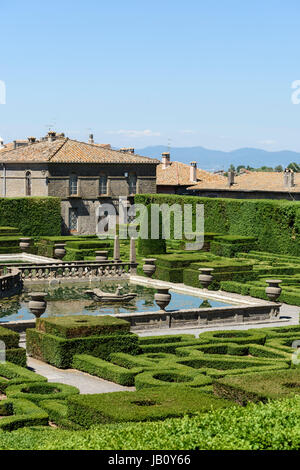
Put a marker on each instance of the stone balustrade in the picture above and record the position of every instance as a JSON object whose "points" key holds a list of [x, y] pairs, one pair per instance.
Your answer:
{"points": [[79, 270], [10, 282]]}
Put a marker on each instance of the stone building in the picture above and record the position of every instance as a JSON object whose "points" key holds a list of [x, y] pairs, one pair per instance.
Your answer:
{"points": [[83, 175], [175, 177], [251, 185]]}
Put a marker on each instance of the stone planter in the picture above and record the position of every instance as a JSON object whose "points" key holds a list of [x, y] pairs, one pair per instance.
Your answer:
{"points": [[101, 255], [59, 250], [37, 304], [162, 298], [149, 267], [25, 244], [205, 277], [273, 290]]}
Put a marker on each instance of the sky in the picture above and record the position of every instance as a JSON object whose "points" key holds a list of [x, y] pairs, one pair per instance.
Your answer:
{"points": [[139, 73]]}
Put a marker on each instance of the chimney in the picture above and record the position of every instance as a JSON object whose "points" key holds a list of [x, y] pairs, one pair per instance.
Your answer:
{"points": [[127, 150], [1, 144], [91, 139], [31, 140], [230, 177], [193, 172], [15, 144], [51, 136], [289, 178], [165, 160]]}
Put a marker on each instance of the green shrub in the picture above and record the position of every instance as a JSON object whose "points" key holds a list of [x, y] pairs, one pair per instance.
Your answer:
{"points": [[60, 351], [106, 370], [234, 336], [10, 338], [17, 356], [80, 326], [12, 374], [259, 387], [38, 391], [146, 244], [33, 216], [19, 413], [58, 414], [170, 379], [145, 405], [263, 219], [271, 426]]}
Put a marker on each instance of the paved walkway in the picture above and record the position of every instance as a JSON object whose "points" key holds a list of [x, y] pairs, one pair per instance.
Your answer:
{"points": [[84, 382]]}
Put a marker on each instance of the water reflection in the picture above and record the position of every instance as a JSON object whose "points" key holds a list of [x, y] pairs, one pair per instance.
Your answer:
{"points": [[70, 299]]}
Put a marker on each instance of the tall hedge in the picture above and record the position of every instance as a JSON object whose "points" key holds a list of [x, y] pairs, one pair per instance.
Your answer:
{"points": [[276, 224], [33, 216]]}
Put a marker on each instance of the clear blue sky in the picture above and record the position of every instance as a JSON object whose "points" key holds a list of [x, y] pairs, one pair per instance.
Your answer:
{"points": [[211, 73]]}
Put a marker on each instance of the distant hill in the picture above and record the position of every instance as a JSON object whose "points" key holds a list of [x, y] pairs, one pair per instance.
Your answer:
{"points": [[219, 160]]}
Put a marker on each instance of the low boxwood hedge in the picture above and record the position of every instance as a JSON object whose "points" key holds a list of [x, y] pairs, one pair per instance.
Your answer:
{"points": [[171, 378], [18, 413], [259, 387], [60, 351], [17, 356], [104, 369], [12, 374], [58, 414], [38, 391], [145, 405], [10, 338], [79, 326], [234, 336]]}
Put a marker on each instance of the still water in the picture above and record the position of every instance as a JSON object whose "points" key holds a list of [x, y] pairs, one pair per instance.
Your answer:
{"points": [[70, 299]]}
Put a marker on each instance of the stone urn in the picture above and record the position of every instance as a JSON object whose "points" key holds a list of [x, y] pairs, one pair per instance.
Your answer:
{"points": [[59, 250], [273, 290], [205, 277], [25, 244], [149, 267], [101, 255], [37, 304], [162, 298]]}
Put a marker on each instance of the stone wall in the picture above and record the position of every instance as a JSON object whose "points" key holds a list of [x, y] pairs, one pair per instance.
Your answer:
{"points": [[12, 181]]}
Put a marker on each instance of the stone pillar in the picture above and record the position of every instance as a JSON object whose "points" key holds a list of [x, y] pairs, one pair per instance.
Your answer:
{"points": [[132, 258], [117, 249]]}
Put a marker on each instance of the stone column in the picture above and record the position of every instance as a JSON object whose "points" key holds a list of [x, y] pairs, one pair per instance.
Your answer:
{"points": [[117, 249], [132, 258]]}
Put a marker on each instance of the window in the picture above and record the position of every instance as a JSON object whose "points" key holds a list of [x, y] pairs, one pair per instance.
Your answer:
{"points": [[73, 185], [73, 220], [103, 184], [28, 183], [132, 183]]}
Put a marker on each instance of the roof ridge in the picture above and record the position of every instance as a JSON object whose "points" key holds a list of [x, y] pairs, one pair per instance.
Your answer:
{"points": [[59, 148]]}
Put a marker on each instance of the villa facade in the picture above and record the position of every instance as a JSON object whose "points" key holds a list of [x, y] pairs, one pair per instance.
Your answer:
{"points": [[84, 175]]}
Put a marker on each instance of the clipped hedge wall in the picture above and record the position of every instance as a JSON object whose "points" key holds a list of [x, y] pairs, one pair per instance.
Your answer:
{"points": [[33, 216], [275, 224], [60, 351], [148, 405], [39, 391], [19, 413], [259, 387]]}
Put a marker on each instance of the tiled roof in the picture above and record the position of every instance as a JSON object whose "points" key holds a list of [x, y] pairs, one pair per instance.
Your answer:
{"points": [[63, 150], [178, 174], [10, 145], [251, 181]]}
